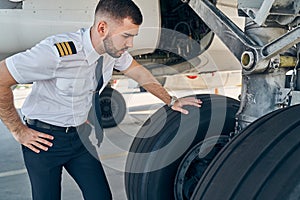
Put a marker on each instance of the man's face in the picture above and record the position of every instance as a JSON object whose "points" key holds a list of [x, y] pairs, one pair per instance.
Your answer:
{"points": [[120, 38]]}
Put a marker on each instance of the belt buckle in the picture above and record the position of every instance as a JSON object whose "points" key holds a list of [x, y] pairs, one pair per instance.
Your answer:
{"points": [[67, 129]]}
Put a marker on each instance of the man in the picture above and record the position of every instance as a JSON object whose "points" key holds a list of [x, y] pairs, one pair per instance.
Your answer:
{"points": [[62, 68]]}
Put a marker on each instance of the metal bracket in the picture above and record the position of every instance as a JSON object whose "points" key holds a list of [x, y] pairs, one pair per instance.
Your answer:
{"points": [[261, 14], [283, 96], [260, 10]]}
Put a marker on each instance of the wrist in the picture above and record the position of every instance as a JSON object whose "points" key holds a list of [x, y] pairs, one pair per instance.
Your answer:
{"points": [[16, 130], [173, 99]]}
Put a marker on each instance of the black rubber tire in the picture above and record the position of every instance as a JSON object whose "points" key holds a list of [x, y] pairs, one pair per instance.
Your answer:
{"points": [[145, 177], [113, 107], [260, 163]]}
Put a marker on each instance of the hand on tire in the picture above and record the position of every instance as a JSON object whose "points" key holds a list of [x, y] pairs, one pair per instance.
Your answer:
{"points": [[191, 101]]}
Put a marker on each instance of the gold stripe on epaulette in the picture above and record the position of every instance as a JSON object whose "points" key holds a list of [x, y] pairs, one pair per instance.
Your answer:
{"points": [[66, 48], [60, 50]]}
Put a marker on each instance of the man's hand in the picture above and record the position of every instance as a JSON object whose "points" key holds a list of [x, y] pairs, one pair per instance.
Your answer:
{"points": [[191, 101], [32, 139]]}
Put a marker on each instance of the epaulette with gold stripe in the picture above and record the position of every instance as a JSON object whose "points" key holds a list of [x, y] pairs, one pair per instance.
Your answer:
{"points": [[66, 48]]}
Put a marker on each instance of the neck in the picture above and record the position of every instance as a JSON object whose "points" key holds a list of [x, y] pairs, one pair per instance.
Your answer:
{"points": [[97, 42]]}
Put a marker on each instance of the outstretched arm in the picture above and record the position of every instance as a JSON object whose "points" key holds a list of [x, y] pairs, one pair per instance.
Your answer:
{"points": [[10, 117], [141, 75]]}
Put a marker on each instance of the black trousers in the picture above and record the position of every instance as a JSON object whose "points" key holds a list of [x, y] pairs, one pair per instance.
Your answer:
{"points": [[68, 151]]}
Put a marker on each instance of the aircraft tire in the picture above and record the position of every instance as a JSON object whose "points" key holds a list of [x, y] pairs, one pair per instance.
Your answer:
{"points": [[168, 134], [113, 107], [262, 162]]}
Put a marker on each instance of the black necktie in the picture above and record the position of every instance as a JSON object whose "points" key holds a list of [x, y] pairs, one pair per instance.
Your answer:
{"points": [[94, 117], [96, 96]]}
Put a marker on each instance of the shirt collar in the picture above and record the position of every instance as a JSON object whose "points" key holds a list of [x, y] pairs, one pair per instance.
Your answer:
{"points": [[91, 54]]}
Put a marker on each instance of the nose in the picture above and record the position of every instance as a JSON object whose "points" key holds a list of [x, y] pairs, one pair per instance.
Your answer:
{"points": [[129, 42]]}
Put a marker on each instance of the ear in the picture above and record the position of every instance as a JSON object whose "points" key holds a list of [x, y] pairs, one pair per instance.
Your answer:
{"points": [[102, 28]]}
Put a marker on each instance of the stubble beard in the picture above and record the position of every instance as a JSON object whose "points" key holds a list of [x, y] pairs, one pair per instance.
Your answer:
{"points": [[110, 49]]}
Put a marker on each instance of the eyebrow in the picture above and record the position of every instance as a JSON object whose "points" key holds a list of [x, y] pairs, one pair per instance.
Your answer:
{"points": [[132, 35]]}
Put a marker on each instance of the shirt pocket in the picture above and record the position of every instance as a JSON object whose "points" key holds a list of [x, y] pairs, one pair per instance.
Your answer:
{"points": [[71, 87]]}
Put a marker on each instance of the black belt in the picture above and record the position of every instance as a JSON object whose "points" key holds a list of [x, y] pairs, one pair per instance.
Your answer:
{"points": [[44, 125]]}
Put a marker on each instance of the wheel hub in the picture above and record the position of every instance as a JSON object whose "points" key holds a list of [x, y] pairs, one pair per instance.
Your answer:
{"points": [[194, 165]]}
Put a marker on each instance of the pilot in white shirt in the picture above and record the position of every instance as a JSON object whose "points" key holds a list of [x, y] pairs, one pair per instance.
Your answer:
{"points": [[62, 68]]}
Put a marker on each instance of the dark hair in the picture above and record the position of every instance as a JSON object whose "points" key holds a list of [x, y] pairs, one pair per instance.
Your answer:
{"points": [[119, 10]]}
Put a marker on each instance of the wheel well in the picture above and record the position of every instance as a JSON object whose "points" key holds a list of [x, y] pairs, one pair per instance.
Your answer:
{"points": [[180, 17], [183, 36]]}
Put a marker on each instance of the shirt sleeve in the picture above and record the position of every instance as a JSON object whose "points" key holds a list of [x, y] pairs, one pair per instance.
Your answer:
{"points": [[123, 62], [37, 63]]}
